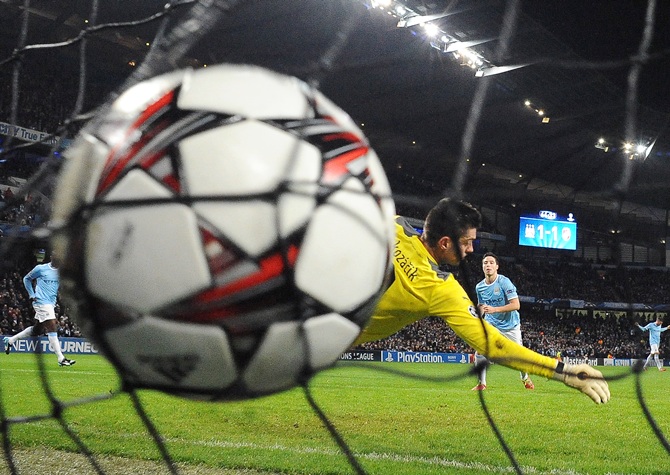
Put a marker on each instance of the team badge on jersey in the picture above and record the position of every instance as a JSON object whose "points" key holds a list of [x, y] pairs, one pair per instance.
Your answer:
{"points": [[473, 311]]}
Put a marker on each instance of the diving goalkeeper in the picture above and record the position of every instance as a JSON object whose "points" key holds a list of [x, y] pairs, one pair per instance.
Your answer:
{"points": [[419, 288]]}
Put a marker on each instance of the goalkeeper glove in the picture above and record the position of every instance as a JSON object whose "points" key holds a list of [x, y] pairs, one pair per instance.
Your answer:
{"points": [[588, 380]]}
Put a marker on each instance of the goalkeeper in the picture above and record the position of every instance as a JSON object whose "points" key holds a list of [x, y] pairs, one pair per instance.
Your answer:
{"points": [[418, 288]]}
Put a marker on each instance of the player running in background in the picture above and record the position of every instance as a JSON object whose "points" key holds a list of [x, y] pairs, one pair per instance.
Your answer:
{"points": [[419, 288], [42, 284], [655, 330], [499, 303]]}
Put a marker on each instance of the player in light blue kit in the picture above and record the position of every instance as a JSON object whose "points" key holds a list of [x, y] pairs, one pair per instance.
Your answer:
{"points": [[42, 284], [499, 303], [655, 330]]}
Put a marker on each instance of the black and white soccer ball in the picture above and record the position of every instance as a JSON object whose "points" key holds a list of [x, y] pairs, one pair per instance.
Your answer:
{"points": [[225, 232]]}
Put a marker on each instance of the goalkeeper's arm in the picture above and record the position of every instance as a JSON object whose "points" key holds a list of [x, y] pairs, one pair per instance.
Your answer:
{"points": [[488, 341]]}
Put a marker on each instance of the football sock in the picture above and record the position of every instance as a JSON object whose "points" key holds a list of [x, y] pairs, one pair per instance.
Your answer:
{"points": [[480, 364], [55, 345], [648, 362]]}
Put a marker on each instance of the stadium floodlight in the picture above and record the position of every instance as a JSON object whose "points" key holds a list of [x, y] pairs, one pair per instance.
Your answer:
{"points": [[528, 103], [649, 148], [643, 149], [408, 18], [419, 19], [458, 45], [431, 29], [602, 144], [493, 70], [454, 46]]}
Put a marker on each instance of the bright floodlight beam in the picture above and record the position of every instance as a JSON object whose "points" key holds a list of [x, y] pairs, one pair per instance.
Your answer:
{"points": [[419, 19], [459, 45], [648, 149], [493, 70]]}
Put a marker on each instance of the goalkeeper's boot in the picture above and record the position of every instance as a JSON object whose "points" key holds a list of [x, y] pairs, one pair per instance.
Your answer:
{"points": [[528, 384], [479, 387], [66, 362], [5, 341], [662, 369]]}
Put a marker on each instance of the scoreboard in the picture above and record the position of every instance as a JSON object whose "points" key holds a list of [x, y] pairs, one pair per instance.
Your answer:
{"points": [[549, 230]]}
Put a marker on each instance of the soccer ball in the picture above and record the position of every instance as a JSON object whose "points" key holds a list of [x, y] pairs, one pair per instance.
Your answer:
{"points": [[224, 232]]}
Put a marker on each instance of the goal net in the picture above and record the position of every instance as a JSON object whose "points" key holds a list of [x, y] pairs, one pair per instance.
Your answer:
{"points": [[488, 102]]}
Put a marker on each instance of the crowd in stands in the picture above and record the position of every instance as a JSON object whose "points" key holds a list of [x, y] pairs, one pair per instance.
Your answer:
{"points": [[577, 337], [584, 336], [546, 330], [42, 111], [43, 107], [594, 283], [29, 211]]}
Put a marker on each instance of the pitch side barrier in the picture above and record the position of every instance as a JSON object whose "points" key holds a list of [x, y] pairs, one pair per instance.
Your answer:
{"points": [[81, 346], [75, 346], [390, 356], [608, 361]]}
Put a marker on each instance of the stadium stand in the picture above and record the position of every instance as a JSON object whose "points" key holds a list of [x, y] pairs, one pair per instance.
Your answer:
{"points": [[548, 325], [544, 284]]}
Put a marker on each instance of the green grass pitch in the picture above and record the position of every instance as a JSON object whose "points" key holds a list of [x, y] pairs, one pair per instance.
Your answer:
{"points": [[394, 424]]}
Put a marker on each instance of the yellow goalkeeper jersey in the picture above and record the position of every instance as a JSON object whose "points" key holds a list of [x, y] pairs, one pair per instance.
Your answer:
{"points": [[419, 289]]}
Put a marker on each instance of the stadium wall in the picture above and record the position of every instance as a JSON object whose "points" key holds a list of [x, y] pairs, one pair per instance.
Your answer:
{"points": [[75, 346], [390, 356], [81, 346]]}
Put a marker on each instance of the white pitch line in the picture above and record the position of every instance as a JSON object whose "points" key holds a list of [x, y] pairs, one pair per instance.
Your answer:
{"points": [[52, 370], [402, 459], [477, 467]]}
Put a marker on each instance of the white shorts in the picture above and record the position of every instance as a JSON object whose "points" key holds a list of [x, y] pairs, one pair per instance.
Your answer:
{"points": [[44, 312], [513, 334], [654, 348]]}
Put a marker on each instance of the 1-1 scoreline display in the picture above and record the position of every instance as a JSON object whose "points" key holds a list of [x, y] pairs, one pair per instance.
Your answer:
{"points": [[548, 229]]}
